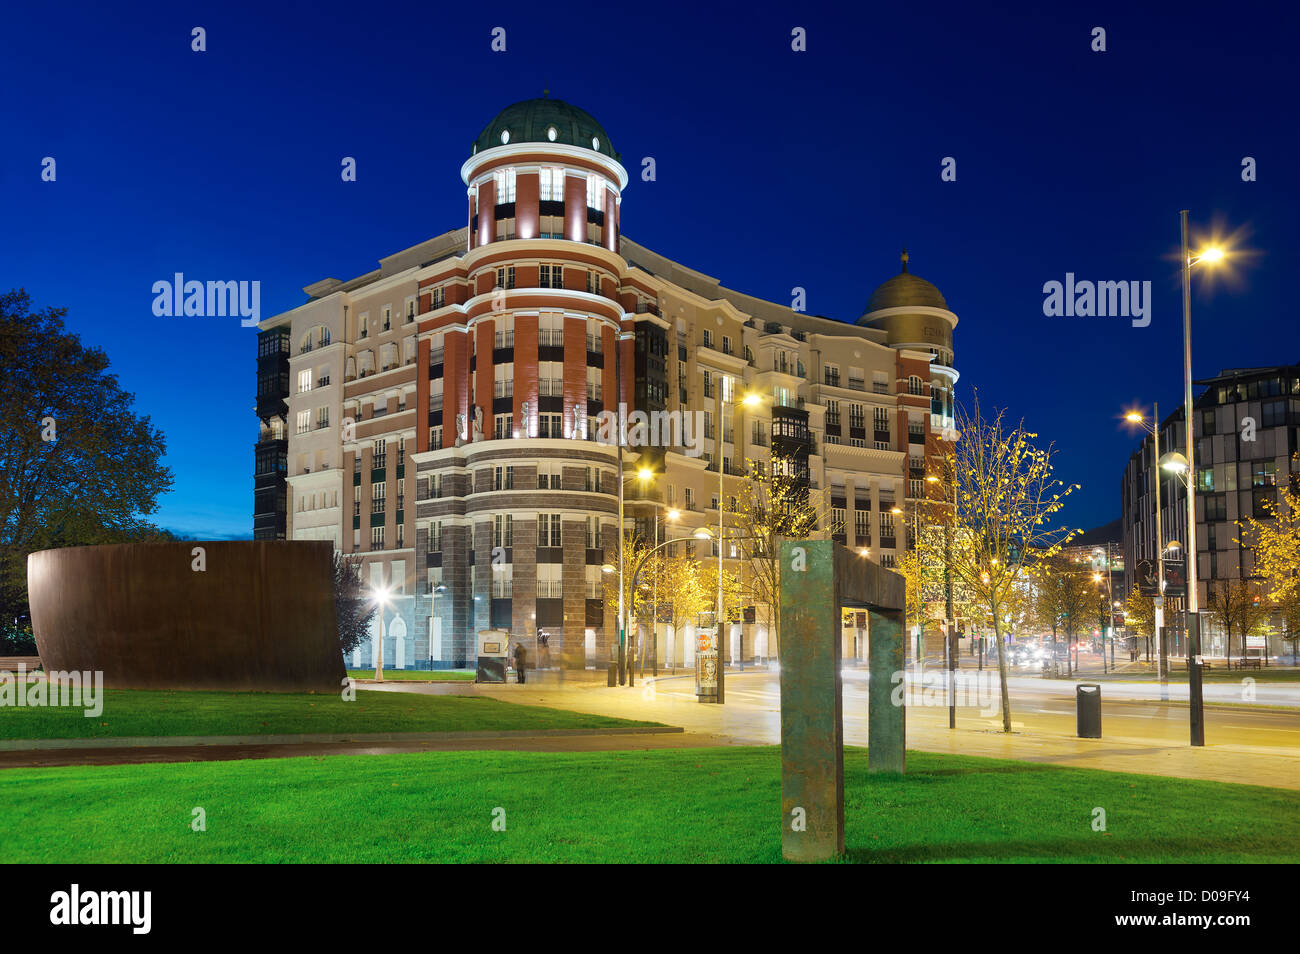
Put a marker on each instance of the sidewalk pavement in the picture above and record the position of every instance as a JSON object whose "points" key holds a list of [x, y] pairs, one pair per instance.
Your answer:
{"points": [[927, 730]]}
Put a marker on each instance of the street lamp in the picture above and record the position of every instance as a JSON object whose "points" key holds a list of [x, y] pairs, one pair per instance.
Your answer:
{"points": [[703, 533], [1196, 709], [643, 475], [380, 595], [433, 614], [1162, 663]]}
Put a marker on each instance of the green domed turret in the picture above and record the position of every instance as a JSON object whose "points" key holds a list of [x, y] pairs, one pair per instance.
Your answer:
{"points": [[545, 120]]}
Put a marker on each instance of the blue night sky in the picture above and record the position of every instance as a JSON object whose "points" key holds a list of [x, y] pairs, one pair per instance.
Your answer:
{"points": [[775, 169]]}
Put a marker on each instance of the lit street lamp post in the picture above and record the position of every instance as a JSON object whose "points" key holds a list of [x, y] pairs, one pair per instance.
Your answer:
{"points": [[380, 596], [1196, 707], [433, 614], [703, 533], [1162, 664]]}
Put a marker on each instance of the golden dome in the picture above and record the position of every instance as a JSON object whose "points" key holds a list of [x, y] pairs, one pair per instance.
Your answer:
{"points": [[903, 290]]}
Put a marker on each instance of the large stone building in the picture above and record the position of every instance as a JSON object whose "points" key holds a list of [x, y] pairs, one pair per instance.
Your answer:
{"points": [[1246, 424], [440, 416]]}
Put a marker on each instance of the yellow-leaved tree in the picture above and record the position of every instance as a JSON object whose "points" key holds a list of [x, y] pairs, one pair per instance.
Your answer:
{"points": [[1005, 526]]}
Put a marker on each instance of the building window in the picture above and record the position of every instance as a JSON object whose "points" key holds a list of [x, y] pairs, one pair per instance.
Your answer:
{"points": [[377, 501], [548, 581], [593, 533], [550, 333], [505, 332], [506, 277], [505, 185], [548, 530], [1263, 473], [503, 426], [434, 543], [595, 193], [376, 538], [379, 454], [551, 185], [435, 435], [708, 338], [304, 380], [551, 276], [503, 530], [549, 425], [503, 478]]}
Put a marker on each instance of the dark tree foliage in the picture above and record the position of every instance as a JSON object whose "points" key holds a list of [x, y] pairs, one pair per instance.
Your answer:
{"points": [[352, 604], [77, 466]]}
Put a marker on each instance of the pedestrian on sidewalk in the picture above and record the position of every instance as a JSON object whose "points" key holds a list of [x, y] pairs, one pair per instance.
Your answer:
{"points": [[521, 661]]}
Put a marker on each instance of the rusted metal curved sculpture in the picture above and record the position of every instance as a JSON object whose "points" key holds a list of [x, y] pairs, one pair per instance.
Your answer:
{"points": [[192, 615]]}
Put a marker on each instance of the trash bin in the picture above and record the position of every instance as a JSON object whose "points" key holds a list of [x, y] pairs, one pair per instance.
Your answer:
{"points": [[1087, 702]]}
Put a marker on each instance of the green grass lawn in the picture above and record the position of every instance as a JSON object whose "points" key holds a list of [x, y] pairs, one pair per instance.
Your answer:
{"points": [[416, 675], [137, 712], [691, 805]]}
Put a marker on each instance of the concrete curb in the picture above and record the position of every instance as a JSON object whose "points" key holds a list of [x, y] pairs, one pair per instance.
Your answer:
{"points": [[163, 741]]}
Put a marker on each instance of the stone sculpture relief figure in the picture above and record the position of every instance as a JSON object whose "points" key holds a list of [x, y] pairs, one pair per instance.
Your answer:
{"points": [[478, 422], [460, 429]]}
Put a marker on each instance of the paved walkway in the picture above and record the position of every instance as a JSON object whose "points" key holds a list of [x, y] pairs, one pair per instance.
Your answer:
{"points": [[753, 718]]}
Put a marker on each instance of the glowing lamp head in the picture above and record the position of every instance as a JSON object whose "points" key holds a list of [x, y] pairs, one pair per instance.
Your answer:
{"points": [[1212, 255], [1133, 417]]}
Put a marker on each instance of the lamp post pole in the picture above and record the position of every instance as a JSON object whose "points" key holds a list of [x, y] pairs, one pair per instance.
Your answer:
{"points": [[720, 432], [654, 612], [1195, 708], [1163, 656]]}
